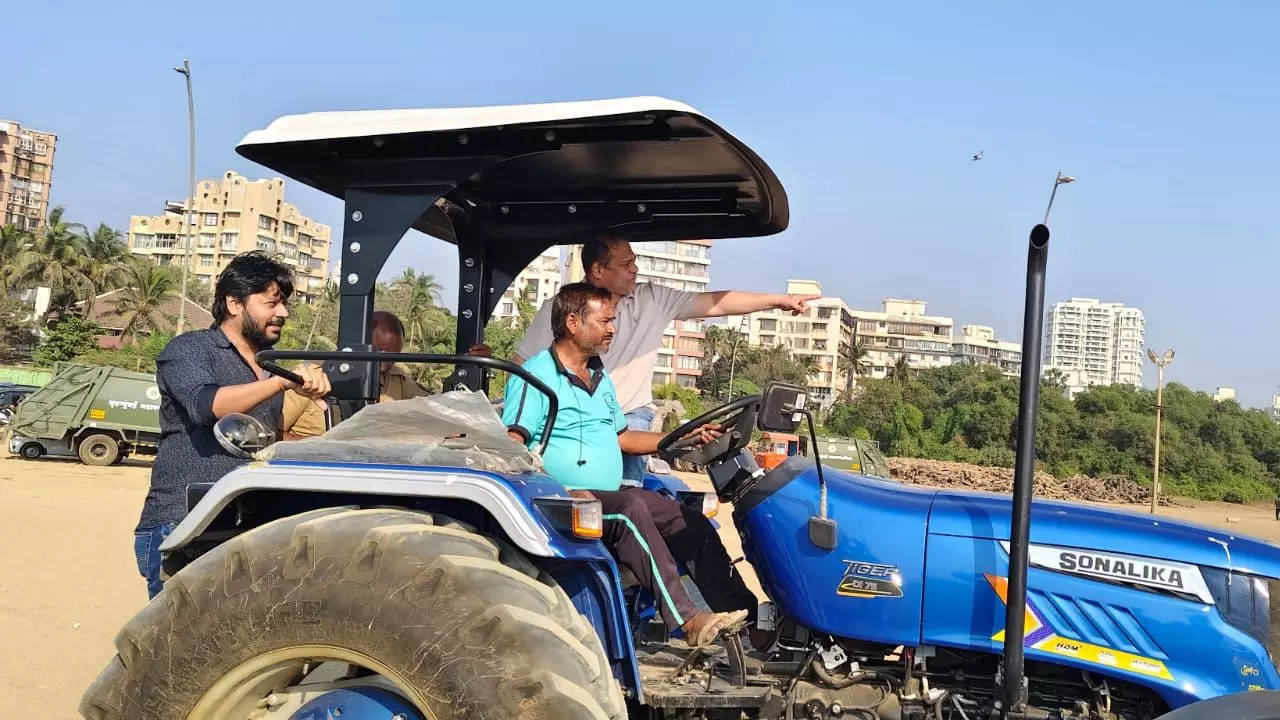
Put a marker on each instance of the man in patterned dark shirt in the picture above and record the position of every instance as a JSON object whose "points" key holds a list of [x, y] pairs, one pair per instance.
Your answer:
{"points": [[206, 374]]}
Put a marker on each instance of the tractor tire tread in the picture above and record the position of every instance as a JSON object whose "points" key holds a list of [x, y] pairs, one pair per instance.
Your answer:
{"points": [[509, 638]]}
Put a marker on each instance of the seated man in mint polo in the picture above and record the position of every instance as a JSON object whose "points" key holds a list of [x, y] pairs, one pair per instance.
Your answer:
{"points": [[645, 531]]}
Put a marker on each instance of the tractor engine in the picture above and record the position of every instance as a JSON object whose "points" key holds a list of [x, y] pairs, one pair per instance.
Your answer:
{"points": [[841, 678]]}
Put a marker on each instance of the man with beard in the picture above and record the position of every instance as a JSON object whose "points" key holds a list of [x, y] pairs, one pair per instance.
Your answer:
{"points": [[205, 375], [645, 531]]}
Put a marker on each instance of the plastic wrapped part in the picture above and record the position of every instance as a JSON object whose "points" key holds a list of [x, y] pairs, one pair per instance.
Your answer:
{"points": [[454, 429]]}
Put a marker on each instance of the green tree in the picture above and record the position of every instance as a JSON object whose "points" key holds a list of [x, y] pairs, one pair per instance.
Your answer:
{"points": [[70, 337], [688, 398], [106, 263], [55, 258], [141, 301], [17, 333], [857, 363]]}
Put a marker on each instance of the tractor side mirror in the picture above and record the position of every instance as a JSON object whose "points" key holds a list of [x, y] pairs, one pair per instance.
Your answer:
{"points": [[778, 411]]}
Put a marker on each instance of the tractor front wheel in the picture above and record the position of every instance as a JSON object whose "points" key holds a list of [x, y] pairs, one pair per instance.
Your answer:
{"points": [[406, 604]]}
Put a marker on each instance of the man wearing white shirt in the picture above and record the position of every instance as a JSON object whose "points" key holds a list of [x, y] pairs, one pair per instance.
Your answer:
{"points": [[643, 311]]}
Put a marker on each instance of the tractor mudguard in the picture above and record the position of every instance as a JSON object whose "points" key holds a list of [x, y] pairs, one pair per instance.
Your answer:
{"points": [[590, 577]]}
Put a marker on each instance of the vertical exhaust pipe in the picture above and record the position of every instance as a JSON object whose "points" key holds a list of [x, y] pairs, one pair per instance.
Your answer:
{"points": [[1015, 693]]}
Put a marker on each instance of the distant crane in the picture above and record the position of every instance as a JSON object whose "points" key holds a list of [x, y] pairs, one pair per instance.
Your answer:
{"points": [[977, 157]]}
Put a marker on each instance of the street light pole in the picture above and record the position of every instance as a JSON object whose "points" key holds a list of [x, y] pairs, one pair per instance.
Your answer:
{"points": [[1060, 180], [185, 71], [1160, 361], [733, 359]]}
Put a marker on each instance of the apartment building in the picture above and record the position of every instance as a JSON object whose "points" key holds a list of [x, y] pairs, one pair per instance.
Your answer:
{"points": [[537, 283], [233, 215], [26, 174], [903, 329], [680, 264], [1105, 342], [978, 345], [824, 334]]}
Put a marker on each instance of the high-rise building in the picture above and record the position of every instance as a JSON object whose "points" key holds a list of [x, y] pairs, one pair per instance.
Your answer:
{"points": [[1103, 341], [901, 329], [537, 283], [680, 264], [26, 174], [824, 334], [978, 345], [235, 215]]}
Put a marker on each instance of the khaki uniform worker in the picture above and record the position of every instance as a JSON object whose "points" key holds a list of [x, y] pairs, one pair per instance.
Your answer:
{"points": [[304, 417]]}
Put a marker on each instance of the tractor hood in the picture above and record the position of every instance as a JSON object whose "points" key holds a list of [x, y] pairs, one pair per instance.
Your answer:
{"points": [[986, 515]]}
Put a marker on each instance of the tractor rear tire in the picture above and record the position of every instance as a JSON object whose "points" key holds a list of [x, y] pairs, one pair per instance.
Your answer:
{"points": [[98, 449], [454, 620]]}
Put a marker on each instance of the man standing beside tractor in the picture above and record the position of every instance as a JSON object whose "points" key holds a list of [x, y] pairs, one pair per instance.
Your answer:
{"points": [[643, 311], [205, 375]]}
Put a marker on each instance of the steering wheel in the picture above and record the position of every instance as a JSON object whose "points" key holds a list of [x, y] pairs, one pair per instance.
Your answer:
{"points": [[739, 417]]}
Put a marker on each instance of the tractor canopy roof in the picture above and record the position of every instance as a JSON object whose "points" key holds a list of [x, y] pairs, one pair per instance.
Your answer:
{"points": [[538, 175]]}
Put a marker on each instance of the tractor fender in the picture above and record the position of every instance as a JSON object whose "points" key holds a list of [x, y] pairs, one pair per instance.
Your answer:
{"points": [[508, 502]]}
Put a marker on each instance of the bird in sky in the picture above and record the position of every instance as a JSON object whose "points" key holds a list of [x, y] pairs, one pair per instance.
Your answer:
{"points": [[977, 157]]}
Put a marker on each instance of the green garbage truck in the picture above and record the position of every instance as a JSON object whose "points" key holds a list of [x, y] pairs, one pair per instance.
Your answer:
{"points": [[98, 414]]}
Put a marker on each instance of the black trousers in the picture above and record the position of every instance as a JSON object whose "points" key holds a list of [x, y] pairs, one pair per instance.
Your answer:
{"points": [[648, 533]]}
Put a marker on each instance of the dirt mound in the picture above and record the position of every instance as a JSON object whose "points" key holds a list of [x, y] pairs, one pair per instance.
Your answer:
{"points": [[937, 473]]}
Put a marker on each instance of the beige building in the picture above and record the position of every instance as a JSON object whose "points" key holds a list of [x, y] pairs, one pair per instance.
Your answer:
{"points": [[824, 334], [26, 174], [234, 215], [537, 283], [902, 329], [978, 345], [680, 264]]}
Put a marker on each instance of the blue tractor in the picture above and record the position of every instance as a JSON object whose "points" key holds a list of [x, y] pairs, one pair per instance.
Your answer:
{"points": [[387, 587]]}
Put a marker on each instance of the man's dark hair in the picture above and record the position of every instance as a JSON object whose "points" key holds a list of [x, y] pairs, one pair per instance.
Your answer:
{"points": [[573, 300], [388, 320], [249, 274], [596, 250]]}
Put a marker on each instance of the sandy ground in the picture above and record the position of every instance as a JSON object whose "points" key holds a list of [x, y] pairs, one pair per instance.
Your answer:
{"points": [[68, 579]]}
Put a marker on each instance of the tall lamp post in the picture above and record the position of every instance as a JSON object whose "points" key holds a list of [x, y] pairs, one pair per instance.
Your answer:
{"points": [[1160, 361], [733, 359], [185, 71], [1060, 180]]}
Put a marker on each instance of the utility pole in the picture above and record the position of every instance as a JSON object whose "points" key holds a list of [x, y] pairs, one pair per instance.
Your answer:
{"points": [[1160, 361], [185, 71]]}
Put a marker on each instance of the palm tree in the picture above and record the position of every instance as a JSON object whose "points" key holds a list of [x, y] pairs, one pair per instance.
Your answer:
{"points": [[901, 371], [141, 302], [423, 293], [56, 258], [106, 259], [855, 354], [327, 301], [13, 241]]}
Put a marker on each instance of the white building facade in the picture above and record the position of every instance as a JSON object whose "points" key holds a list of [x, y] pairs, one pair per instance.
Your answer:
{"points": [[538, 283], [902, 329], [978, 345], [1104, 342]]}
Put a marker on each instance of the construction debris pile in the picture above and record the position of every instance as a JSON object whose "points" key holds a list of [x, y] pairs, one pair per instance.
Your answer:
{"points": [[962, 476]]}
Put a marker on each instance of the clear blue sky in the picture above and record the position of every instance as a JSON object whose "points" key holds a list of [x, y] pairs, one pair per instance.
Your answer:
{"points": [[1167, 112]]}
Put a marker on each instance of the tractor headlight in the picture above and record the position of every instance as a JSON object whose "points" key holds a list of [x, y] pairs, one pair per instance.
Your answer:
{"points": [[578, 517], [705, 503]]}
